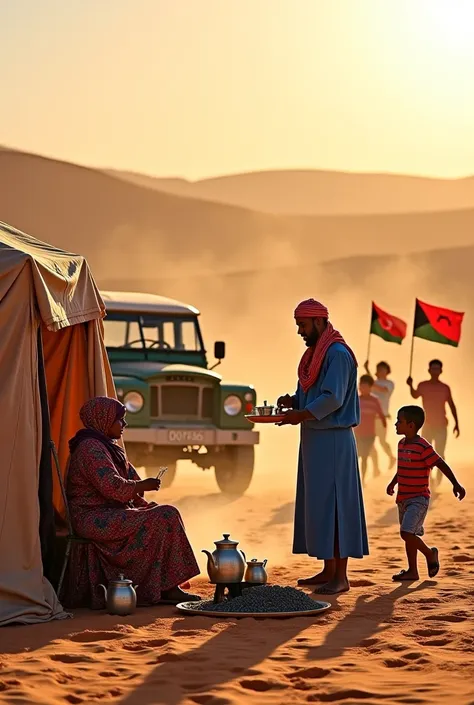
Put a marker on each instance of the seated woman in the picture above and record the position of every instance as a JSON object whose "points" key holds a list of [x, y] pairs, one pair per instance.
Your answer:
{"points": [[143, 540]]}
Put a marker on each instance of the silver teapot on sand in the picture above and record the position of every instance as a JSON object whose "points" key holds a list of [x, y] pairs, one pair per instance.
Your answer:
{"points": [[120, 596], [256, 572], [226, 564]]}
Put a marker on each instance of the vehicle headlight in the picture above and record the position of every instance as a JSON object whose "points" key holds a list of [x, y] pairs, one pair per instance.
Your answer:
{"points": [[133, 402], [232, 405]]}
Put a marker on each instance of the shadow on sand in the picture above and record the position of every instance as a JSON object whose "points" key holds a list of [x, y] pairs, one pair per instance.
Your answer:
{"points": [[282, 515], [246, 643]]}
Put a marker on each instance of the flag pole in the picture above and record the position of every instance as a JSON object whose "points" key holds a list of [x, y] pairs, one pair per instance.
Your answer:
{"points": [[368, 348], [370, 334], [411, 355], [412, 343]]}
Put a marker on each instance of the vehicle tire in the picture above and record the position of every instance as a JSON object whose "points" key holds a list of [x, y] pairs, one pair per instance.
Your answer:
{"points": [[168, 477], [234, 470]]}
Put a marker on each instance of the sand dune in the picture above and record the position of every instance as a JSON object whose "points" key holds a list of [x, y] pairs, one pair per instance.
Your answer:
{"points": [[313, 192], [123, 228], [381, 643]]}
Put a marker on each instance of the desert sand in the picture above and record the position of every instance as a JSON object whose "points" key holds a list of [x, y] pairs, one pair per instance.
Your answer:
{"points": [[380, 643]]}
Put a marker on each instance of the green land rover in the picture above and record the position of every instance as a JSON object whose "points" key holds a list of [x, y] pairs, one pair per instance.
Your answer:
{"points": [[178, 407]]}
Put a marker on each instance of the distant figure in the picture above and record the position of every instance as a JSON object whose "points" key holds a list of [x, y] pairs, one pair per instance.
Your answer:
{"points": [[383, 390], [416, 457], [435, 395], [329, 512], [370, 412]]}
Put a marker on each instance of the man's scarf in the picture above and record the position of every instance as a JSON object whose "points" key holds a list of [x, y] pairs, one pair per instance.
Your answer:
{"points": [[312, 360]]}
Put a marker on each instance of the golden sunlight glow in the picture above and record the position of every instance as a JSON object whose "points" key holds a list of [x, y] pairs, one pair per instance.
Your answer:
{"points": [[205, 87], [449, 22]]}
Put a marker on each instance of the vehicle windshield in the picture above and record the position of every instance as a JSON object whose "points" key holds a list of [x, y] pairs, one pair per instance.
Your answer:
{"points": [[152, 332]]}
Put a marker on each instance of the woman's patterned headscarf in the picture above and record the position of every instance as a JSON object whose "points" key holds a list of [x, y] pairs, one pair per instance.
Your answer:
{"points": [[100, 413], [98, 416]]}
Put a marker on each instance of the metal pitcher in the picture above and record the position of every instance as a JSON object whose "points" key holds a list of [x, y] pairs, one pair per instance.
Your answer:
{"points": [[256, 572], [120, 596], [226, 564]]}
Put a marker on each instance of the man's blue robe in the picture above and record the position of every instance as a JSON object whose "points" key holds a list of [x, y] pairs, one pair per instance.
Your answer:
{"points": [[329, 493]]}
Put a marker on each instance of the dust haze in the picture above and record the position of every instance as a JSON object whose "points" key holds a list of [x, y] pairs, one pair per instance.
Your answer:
{"points": [[253, 313]]}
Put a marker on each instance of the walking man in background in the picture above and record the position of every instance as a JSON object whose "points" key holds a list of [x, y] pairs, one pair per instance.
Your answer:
{"points": [[434, 396], [329, 512], [383, 390]]}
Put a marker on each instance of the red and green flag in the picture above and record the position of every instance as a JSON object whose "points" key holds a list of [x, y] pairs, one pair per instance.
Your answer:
{"points": [[386, 326], [440, 325]]}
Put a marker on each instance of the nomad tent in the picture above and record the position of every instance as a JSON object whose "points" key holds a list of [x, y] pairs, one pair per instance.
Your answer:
{"points": [[52, 360]]}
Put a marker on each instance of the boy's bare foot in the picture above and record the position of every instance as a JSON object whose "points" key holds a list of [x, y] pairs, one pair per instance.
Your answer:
{"points": [[319, 579], [333, 587], [433, 563], [405, 576]]}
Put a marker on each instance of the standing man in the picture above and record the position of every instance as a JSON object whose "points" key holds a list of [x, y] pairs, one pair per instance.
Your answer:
{"points": [[434, 396], [329, 513], [383, 390]]}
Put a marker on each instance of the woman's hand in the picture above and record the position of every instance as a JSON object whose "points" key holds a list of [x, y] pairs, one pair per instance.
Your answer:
{"points": [[151, 484]]}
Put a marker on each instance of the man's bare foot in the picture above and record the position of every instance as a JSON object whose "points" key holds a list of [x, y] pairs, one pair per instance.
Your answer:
{"points": [[405, 576], [319, 579], [333, 587]]}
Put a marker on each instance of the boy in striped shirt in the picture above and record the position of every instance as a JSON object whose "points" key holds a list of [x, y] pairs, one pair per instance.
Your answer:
{"points": [[416, 457]]}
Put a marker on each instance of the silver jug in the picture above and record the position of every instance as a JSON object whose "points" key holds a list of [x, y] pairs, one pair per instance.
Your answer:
{"points": [[226, 564], [256, 572], [120, 596]]}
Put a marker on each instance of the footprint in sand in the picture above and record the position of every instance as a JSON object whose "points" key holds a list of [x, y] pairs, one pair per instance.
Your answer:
{"points": [[396, 647], [72, 658], [395, 663], [89, 636], [187, 632], [144, 644], [429, 632], [259, 685], [371, 641], [413, 655], [209, 699], [447, 617], [463, 558], [362, 583], [443, 641], [312, 672], [343, 695]]}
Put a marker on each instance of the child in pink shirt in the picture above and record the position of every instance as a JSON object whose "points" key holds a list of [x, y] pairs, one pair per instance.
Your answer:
{"points": [[370, 410]]}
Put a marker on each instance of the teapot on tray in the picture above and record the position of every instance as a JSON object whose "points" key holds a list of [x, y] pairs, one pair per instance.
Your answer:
{"points": [[226, 564], [256, 572], [120, 596]]}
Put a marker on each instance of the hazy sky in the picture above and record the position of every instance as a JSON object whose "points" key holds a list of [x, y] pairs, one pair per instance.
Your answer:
{"points": [[205, 87]]}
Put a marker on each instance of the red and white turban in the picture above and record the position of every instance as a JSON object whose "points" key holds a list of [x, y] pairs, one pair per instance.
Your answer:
{"points": [[311, 309], [313, 359]]}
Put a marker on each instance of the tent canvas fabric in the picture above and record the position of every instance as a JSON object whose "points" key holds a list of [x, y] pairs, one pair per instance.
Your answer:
{"points": [[51, 309]]}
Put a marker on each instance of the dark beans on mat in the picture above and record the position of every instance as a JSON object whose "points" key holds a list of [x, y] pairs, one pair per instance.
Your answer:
{"points": [[264, 598]]}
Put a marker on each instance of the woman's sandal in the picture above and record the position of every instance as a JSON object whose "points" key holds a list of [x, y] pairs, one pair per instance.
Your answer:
{"points": [[433, 566], [185, 597]]}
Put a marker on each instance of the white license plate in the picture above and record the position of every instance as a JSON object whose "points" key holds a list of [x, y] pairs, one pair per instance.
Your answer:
{"points": [[179, 436]]}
